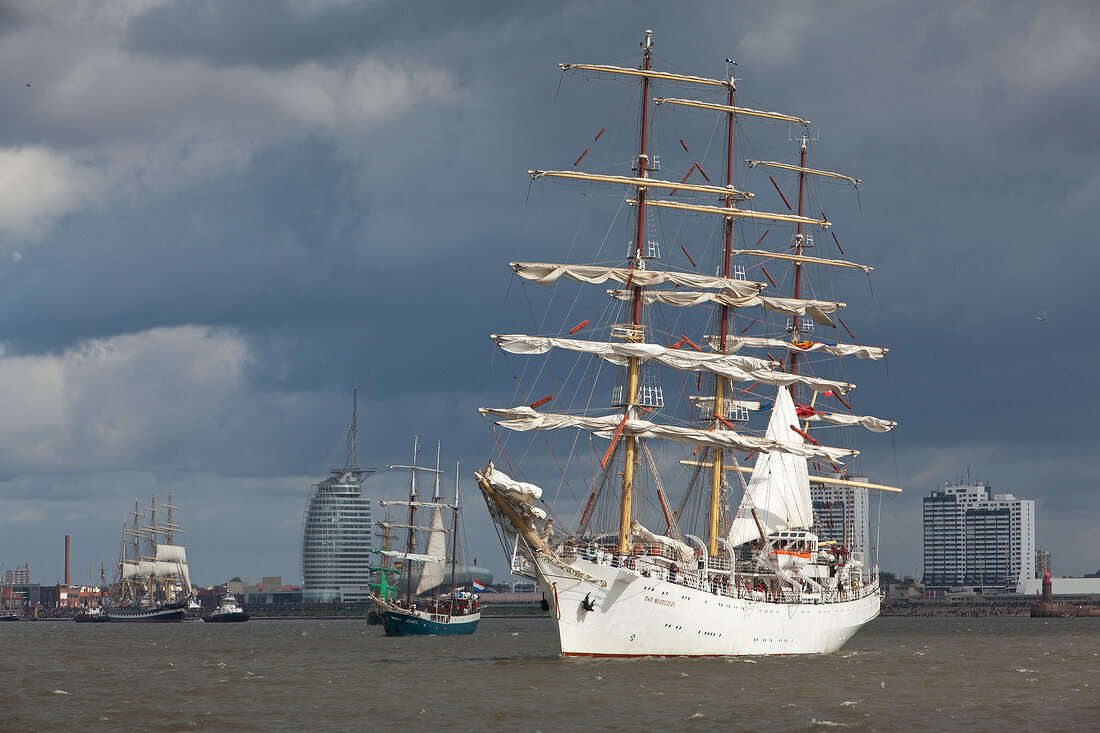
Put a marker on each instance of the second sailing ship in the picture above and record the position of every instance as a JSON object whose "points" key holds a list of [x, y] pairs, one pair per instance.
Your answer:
{"points": [[420, 609]]}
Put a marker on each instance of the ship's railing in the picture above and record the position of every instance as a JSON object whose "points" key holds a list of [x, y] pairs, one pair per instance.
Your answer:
{"points": [[716, 575]]}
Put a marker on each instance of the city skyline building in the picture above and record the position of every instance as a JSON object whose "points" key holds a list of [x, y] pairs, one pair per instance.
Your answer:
{"points": [[842, 515], [337, 530], [18, 576], [974, 537]]}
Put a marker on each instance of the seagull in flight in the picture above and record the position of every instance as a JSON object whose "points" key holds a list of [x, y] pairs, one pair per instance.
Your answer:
{"points": [[1042, 317]]}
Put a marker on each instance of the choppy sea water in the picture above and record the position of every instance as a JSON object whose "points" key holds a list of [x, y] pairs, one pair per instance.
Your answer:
{"points": [[897, 674]]}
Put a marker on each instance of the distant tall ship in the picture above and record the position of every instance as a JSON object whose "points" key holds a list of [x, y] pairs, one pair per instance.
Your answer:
{"points": [[336, 530], [422, 610], [710, 575], [154, 583]]}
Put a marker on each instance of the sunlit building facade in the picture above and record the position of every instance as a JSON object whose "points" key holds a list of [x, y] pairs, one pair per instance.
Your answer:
{"points": [[973, 537], [336, 533]]}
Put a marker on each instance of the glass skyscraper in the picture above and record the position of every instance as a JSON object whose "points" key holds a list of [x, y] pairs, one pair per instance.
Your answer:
{"points": [[336, 532]]}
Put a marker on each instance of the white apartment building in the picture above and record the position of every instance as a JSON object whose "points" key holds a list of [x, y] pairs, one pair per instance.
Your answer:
{"points": [[974, 537]]}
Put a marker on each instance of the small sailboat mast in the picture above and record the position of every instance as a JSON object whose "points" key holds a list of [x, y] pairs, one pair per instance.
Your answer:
{"points": [[410, 545], [454, 537]]}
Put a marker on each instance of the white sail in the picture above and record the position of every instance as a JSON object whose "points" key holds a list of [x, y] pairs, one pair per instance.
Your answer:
{"points": [[163, 569], [620, 353], [815, 309], [416, 557], [185, 576], [735, 110], [778, 492], [734, 343], [546, 273], [739, 369], [524, 418], [432, 574], [171, 553], [515, 490], [683, 551], [636, 182], [875, 424], [129, 570]]}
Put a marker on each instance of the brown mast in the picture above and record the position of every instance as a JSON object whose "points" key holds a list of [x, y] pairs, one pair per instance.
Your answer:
{"points": [[454, 548], [719, 381], [798, 246], [637, 332]]}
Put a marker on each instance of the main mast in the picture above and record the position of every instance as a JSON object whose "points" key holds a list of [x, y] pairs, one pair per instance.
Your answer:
{"points": [[637, 332], [798, 246], [719, 381]]}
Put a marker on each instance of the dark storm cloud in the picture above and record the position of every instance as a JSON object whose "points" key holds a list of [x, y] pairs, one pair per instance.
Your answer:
{"points": [[278, 33], [221, 177]]}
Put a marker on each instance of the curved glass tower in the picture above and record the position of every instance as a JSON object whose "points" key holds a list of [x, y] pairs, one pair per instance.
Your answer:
{"points": [[336, 531]]}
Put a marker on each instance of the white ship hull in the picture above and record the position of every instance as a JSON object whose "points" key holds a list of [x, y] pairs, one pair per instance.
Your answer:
{"points": [[636, 616]]}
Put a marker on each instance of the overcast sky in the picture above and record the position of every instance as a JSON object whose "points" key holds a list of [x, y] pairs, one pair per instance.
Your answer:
{"points": [[216, 218]]}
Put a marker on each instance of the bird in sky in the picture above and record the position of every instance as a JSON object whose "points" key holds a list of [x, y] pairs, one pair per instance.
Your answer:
{"points": [[1042, 317]]}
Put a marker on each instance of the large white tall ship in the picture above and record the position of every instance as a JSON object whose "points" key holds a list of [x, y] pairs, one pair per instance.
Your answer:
{"points": [[680, 521], [154, 581]]}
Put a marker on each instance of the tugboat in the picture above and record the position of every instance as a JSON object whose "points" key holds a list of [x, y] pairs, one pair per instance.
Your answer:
{"points": [[227, 612], [91, 614]]}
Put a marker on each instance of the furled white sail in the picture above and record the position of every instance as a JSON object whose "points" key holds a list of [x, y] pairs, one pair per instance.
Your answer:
{"points": [[636, 182], [416, 557], [432, 575], [524, 418], [516, 490], [875, 424], [829, 261], [171, 553], [779, 489], [684, 551], [735, 110], [545, 274], [739, 369], [649, 73], [734, 343], [800, 169], [620, 353], [815, 309]]}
